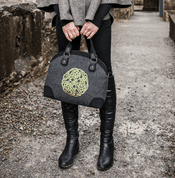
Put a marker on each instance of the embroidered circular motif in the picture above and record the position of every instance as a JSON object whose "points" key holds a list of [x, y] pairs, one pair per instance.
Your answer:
{"points": [[75, 82]]}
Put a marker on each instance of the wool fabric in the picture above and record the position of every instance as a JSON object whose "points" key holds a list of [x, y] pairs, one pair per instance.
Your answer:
{"points": [[81, 10]]}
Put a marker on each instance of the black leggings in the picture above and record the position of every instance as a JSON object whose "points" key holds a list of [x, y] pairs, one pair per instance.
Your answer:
{"points": [[101, 41]]}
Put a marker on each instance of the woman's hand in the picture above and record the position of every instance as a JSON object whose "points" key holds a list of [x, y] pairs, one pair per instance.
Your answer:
{"points": [[71, 31], [89, 30]]}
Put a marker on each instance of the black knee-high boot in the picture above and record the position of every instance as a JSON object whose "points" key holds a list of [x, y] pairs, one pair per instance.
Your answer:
{"points": [[107, 116], [70, 115]]}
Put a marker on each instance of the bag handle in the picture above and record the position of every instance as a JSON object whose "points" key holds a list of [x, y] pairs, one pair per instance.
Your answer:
{"points": [[92, 52], [69, 47]]}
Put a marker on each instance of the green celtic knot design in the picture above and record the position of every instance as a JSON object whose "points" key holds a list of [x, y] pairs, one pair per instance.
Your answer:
{"points": [[75, 82]]}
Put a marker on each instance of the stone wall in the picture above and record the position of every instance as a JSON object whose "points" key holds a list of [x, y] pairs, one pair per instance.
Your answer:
{"points": [[172, 27], [124, 13], [138, 2], [151, 5], [27, 42], [169, 8], [166, 15], [20, 36], [169, 4]]}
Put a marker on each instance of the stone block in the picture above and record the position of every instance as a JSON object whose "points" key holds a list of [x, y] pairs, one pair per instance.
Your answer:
{"points": [[169, 4], [7, 52], [124, 13], [20, 36], [172, 27], [151, 5], [33, 33], [166, 15], [138, 2], [131, 9]]}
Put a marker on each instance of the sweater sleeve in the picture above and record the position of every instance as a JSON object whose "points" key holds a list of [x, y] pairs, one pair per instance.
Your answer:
{"points": [[63, 22], [102, 11]]}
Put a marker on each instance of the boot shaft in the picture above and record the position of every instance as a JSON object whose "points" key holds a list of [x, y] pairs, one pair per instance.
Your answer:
{"points": [[107, 112], [70, 116]]}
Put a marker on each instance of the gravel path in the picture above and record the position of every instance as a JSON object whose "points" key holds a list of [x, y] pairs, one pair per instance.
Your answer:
{"points": [[32, 131]]}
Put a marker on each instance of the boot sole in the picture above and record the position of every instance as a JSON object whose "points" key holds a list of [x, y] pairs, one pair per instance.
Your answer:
{"points": [[100, 169], [66, 167]]}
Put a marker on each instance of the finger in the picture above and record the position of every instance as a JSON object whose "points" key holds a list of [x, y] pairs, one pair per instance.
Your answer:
{"points": [[85, 32], [76, 32], [67, 36], [94, 31], [91, 35], [73, 34], [70, 35], [83, 29], [88, 33]]}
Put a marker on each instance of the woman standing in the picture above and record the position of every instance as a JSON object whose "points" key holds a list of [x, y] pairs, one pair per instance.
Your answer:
{"points": [[92, 18]]}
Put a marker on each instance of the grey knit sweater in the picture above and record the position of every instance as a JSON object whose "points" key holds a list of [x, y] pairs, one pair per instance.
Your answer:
{"points": [[81, 10]]}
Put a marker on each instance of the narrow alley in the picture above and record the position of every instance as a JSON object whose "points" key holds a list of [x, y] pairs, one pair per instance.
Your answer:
{"points": [[143, 60]]}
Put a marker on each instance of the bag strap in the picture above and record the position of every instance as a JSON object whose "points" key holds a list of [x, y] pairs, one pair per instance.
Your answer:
{"points": [[92, 52], [69, 47]]}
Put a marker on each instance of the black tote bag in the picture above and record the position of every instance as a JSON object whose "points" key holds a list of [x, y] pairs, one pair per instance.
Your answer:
{"points": [[77, 77]]}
